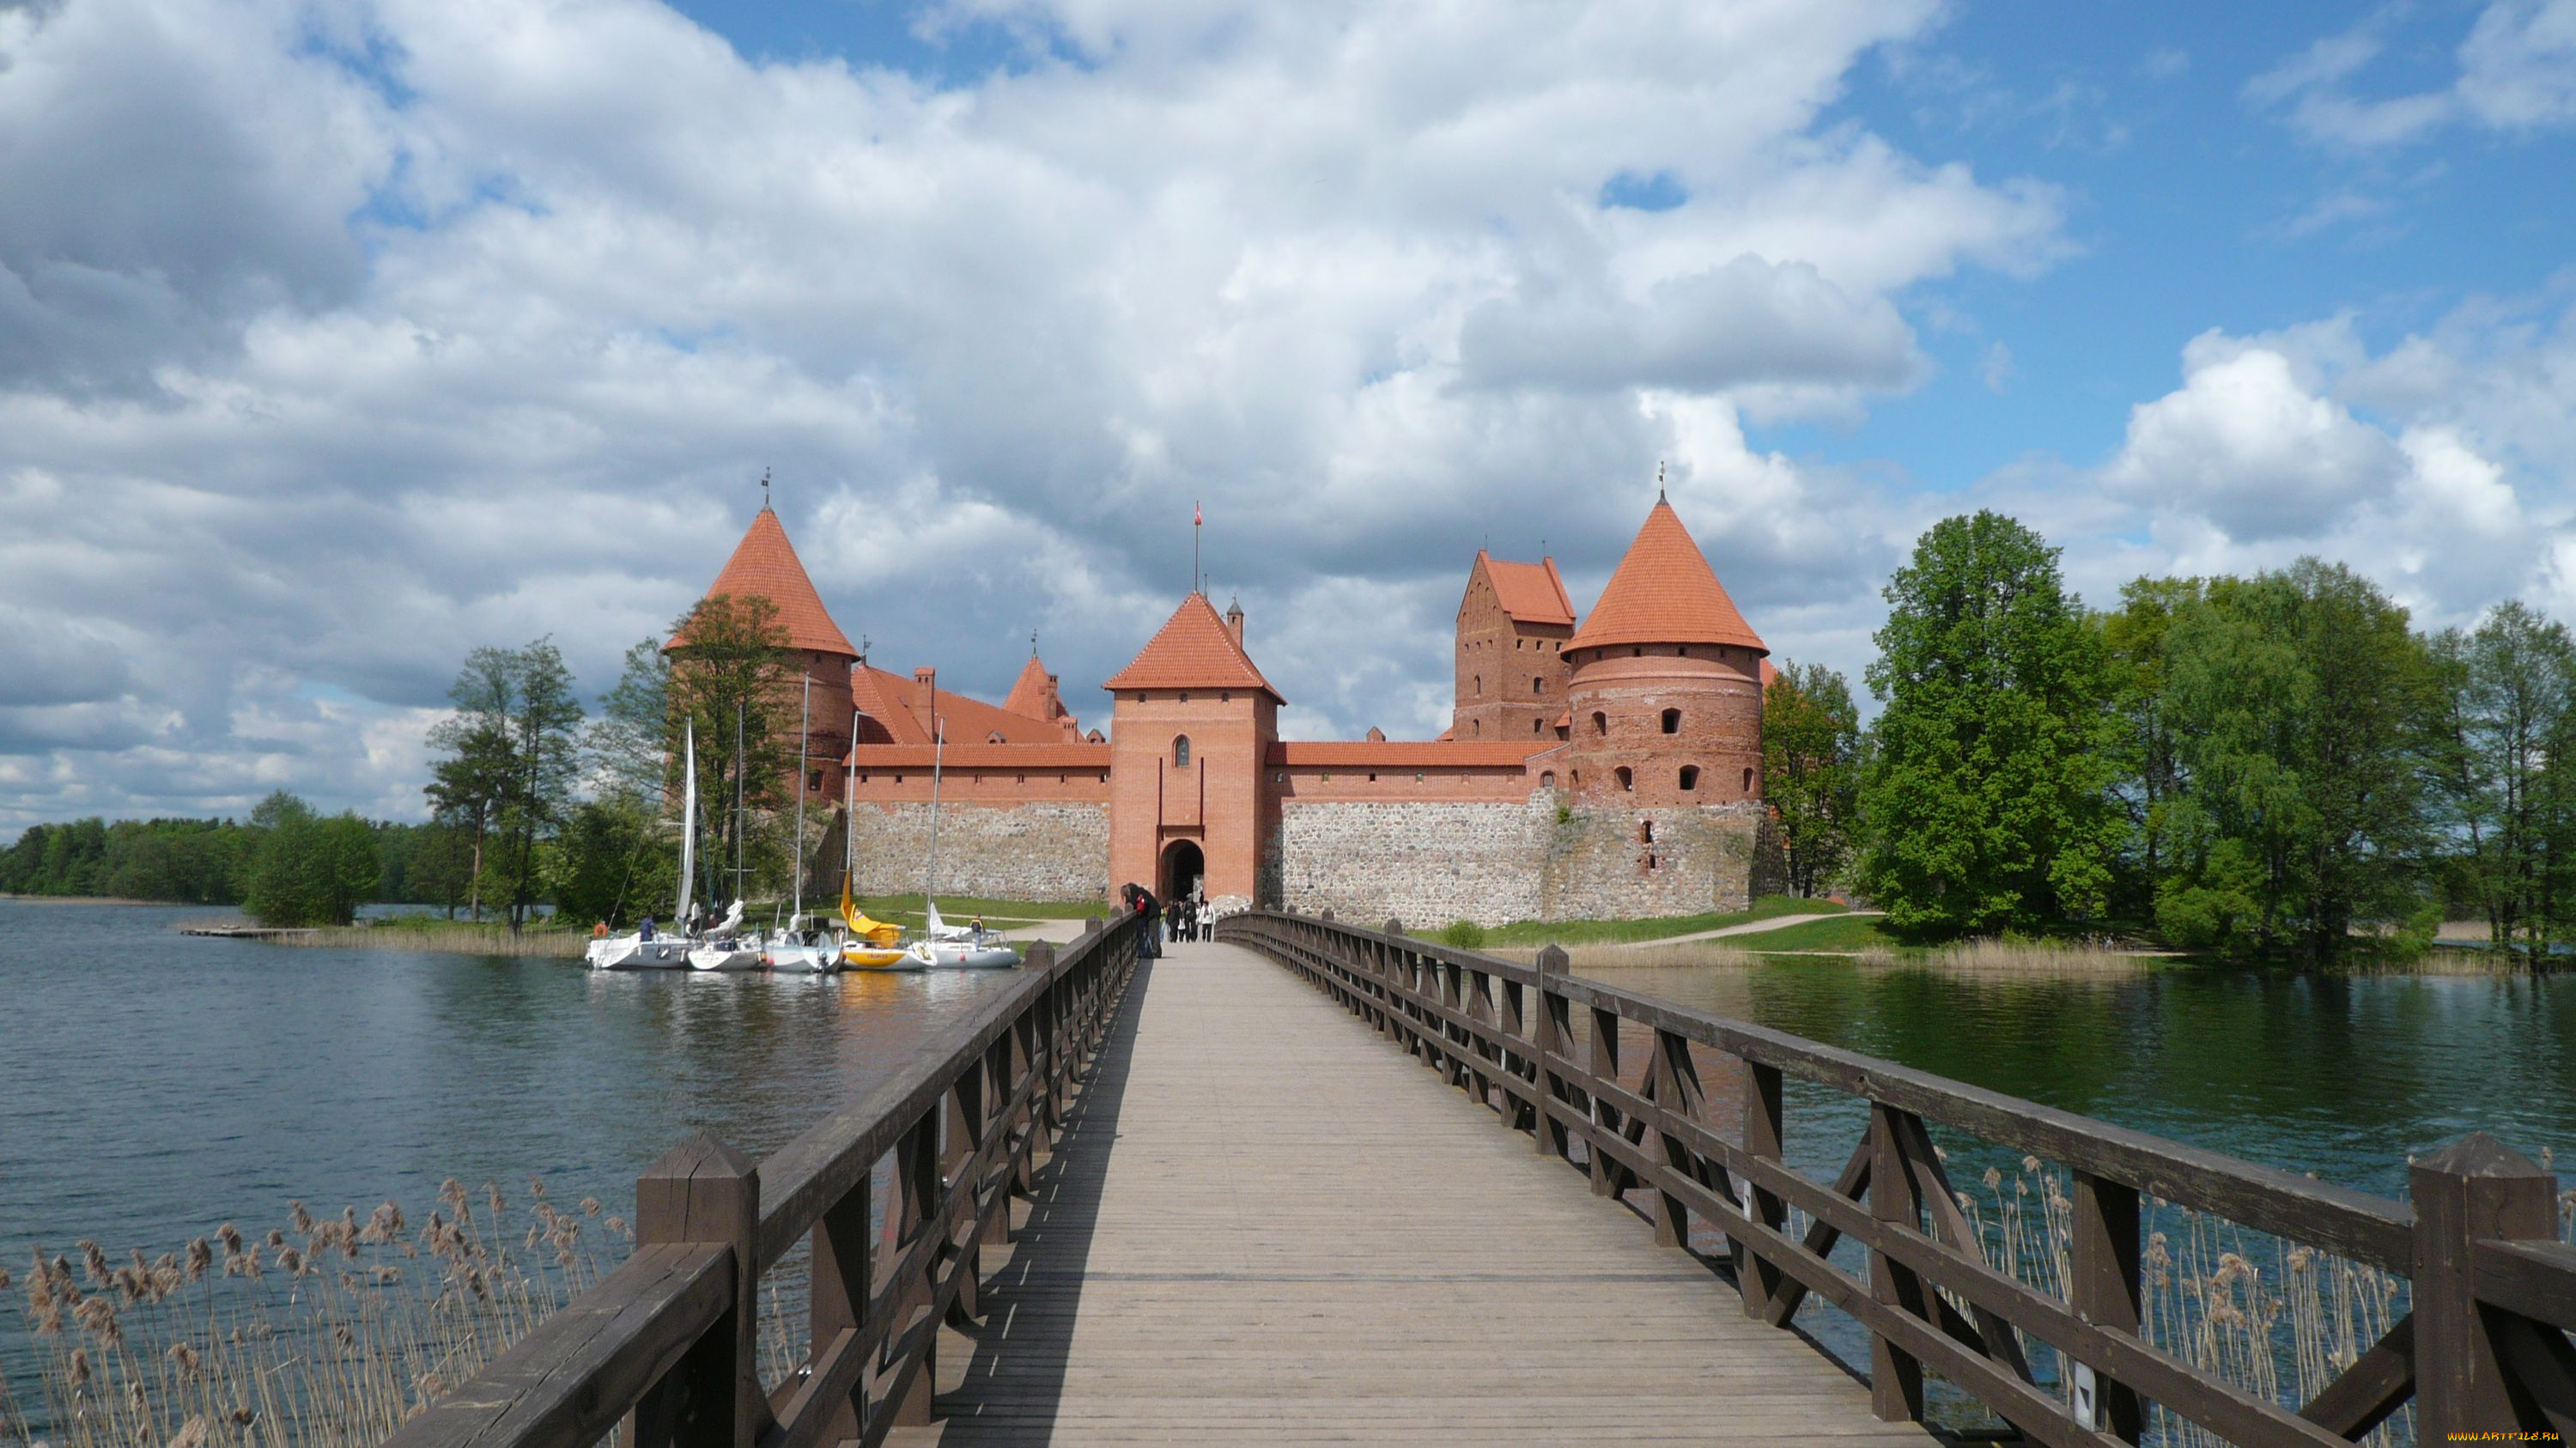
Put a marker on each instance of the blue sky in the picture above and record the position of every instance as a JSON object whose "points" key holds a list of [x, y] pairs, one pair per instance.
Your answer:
{"points": [[370, 331]]}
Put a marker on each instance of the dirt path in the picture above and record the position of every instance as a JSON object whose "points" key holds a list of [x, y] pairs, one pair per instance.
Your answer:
{"points": [[1750, 927]]}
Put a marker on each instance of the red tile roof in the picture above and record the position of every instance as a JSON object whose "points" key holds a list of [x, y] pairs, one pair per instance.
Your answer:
{"points": [[890, 699], [1529, 592], [1404, 754], [1663, 592], [764, 565], [1031, 693], [1193, 650], [1057, 755]]}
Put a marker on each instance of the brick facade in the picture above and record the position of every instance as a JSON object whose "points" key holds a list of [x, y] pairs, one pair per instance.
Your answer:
{"points": [[1606, 770]]}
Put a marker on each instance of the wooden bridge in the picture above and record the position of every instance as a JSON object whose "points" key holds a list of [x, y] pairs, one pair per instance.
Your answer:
{"points": [[1188, 1200]]}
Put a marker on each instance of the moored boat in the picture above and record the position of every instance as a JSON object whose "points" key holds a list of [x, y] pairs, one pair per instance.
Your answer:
{"points": [[643, 949]]}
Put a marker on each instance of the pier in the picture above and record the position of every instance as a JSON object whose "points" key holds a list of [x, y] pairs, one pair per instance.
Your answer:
{"points": [[1321, 1182]]}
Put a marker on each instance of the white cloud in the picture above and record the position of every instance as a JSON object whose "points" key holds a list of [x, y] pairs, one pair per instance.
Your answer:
{"points": [[2516, 73], [339, 336]]}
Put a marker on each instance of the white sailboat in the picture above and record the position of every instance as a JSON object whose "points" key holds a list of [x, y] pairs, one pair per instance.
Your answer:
{"points": [[942, 945], [648, 949], [803, 947], [726, 945]]}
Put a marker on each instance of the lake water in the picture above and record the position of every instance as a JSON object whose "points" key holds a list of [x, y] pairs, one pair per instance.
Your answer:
{"points": [[154, 1085]]}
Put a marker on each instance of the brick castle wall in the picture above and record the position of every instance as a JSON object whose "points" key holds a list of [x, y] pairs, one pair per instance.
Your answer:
{"points": [[1043, 850], [1608, 863], [1422, 862]]}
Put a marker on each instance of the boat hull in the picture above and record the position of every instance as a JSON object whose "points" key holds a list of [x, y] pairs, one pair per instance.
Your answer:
{"points": [[964, 955], [725, 957], [804, 959], [628, 952]]}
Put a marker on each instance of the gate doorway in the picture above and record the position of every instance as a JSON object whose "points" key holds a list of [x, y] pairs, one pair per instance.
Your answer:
{"points": [[1183, 870]]}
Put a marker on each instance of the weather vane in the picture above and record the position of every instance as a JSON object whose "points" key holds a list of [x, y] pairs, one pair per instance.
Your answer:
{"points": [[764, 487], [1659, 480]]}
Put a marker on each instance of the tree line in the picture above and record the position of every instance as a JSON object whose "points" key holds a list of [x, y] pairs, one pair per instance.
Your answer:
{"points": [[2277, 766], [532, 799]]}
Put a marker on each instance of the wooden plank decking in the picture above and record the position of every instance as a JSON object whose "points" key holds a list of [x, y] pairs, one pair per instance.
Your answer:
{"points": [[1267, 1224]]}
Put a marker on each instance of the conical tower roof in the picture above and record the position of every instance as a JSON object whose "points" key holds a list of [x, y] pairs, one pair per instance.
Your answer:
{"points": [[1034, 693], [764, 565], [1193, 650], [1664, 592]]}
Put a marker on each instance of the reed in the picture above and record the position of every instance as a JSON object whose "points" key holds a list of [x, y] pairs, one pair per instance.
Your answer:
{"points": [[1996, 959], [325, 1332], [438, 935]]}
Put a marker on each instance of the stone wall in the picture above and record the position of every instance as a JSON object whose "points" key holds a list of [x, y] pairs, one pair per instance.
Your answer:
{"points": [[1607, 863], [1045, 850], [1422, 862]]}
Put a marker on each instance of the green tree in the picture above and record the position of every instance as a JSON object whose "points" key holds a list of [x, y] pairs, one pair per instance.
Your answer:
{"points": [[627, 741], [2148, 764], [1986, 791], [511, 759], [546, 762], [308, 870], [2300, 706], [612, 862], [2500, 708], [735, 677], [1811, 770], [470, 785]]}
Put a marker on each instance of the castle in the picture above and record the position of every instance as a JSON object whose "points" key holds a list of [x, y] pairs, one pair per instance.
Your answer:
{"points": [[1602, 767]]}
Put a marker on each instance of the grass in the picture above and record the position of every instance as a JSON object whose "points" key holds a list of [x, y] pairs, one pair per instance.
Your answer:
{"points": [[908, 908], [1587, 932], [417, 933]]}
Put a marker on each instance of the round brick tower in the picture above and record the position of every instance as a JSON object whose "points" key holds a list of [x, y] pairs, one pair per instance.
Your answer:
{"points": [[1665, 697]]}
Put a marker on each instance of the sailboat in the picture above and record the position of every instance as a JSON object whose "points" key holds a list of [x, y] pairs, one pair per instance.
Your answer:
{"points": [[802, 947], [943, 945], [726, 945], [639, 951], [872, 944]]}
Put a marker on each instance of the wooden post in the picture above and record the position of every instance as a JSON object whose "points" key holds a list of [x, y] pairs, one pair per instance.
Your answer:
{"points": [[1555, 1027], [843, 1274], [1677, 1094], [702, 1192], [1895, 1375], [1605, 1119], [916, 1177], [961, 1135], [2476, 1188], [2105, 1291], [1515, 1027], [1756, 1278]]}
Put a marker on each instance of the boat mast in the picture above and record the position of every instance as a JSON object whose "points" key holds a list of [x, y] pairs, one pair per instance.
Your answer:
{"points": [[739, 770], [850, 816], [689, 834], [803, 723], [930, 875]]}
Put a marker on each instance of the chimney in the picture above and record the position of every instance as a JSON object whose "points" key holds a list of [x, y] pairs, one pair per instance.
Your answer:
{"points": [[1234, 620], [925, 699]]}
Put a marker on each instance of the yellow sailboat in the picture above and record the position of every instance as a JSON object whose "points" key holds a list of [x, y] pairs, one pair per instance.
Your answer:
{"points": [[873, 943]]}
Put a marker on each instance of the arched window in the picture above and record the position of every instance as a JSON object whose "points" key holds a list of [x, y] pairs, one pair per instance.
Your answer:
{"points": [[1645, 832], [1538, 726], [1672, 721], [1626, 781], [1475, 726], [1600, 722], [1181, 751], [1547, 779], [1748, 782], [1690, 776], [1479, 690]]}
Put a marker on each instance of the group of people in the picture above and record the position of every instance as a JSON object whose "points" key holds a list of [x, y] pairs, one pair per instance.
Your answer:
{"points": [[1187, 918]]}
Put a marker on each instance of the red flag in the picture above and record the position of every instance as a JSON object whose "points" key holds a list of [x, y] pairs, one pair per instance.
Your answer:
{"points": [[1195, 519]]}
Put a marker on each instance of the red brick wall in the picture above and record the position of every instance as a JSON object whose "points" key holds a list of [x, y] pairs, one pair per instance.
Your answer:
{"points": [[1719, 699], [1498, 660], [1216, 801]]}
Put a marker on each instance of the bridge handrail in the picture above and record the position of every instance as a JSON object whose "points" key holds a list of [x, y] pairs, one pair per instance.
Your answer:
{"points": [[2490, 1297], [665, 1344]]}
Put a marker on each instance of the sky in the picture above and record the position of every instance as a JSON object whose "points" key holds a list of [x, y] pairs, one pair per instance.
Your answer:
{"points": [[339, 337]]}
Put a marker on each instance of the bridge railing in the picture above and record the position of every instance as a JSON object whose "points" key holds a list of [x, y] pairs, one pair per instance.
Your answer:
{"points": [[663, 1348], [2483, 1349]]}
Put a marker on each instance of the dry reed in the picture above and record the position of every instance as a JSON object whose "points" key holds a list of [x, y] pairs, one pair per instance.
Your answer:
{"points": [[1993, 959], [327, 1333], [396, 934]]}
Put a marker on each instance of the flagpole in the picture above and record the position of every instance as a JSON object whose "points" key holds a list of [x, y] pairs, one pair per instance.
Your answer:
{"points": [[1198, 576]]}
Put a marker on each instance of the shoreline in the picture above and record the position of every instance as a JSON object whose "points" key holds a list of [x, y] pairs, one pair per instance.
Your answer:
{"points": [[104, 900]]}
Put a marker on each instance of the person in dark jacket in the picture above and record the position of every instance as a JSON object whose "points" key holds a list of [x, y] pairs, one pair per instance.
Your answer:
{"points": [[1152, 909]]}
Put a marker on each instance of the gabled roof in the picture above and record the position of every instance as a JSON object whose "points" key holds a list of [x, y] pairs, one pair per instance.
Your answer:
{"points": [[1193, 650], [1663, 592], [895, 704], [764, 565], [1529, 592], [1033, 691], [1404, 753]]}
